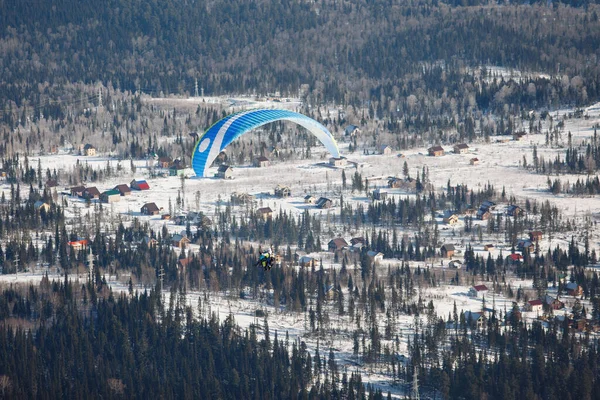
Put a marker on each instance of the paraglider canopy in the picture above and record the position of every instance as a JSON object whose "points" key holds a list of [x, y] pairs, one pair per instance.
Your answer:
{"points": [[226, 130]]}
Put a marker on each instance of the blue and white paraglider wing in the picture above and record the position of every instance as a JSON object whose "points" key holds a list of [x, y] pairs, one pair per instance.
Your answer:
{"points": [[226, 130]]}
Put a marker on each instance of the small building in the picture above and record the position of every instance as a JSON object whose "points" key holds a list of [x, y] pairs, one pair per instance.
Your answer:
{"points": [[180, 241], [183, 263], [554, 304], [77, 191], [89, 150], [139, 185], [489, 247], [461, 148], [225, 172], [484, 215], [513, 210], [150, 242], [488, 205], [523, 245], [78, 245], [474, 161], [283, 191], [265, 212], [574, 289], [351, 130], [534, 305], [261, 162], [51, 184], [177, 170], [513, 258], [455, 264], [165, 162], [385, 150], [150, 209], [337, 244], [337, 162], [331, 293], [478, 291], [306, 261], [447, 250], [375, 256], [379, 194], [356, 241], [535, 236], [408, 184], [310, 199], [110, 196], [91, 193], [450, 218], [436, 151], [124, 190], [40, 205], [324, 203], [476, 320], [519, 135], [165, 217], [241, 198]]}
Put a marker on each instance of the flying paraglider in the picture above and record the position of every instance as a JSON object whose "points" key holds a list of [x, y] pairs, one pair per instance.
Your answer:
{"points": [[226, 130]]}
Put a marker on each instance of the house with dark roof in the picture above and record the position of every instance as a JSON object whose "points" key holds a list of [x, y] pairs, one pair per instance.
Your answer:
{"points": [[139, 185], [77, 191], [225, 172], [261, 162], [283, 191], [89, 150], [180, 241], [474, 161], [310, 199], [124, 190], [385, 149], [91, 193], [523, 245], [337, 162], [324, 203], [40, 205], [478, 291], [475, 319], [351, 130], [574, 289], [165, 162], [379, 194], [436, 151], [150, 209], [51, 184], [554, 304], [337, 244], [265, 212], [534, 236], [447, 250], [461, 148], [513, 210]]}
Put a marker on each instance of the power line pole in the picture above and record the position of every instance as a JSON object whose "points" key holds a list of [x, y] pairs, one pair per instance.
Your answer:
{"points": [[16, 262], [196, 88], [99, 98], [415, 385], [161, 277], [91, 265]]}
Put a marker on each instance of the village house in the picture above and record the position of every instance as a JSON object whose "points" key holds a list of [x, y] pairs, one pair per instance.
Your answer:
{"points": [[165, 217], [241, 198], [180, 241], [225, 172], [513, 210], [306, 261], [513, 258], [385, 150], [91, 193], [165, 162], [150, 209], [447, 250], [408, 184], [523, 245], [357, 242], [40, 205], [455, 264], [518, 135], [554, 304], [574, 289], [337, 162], [180, 220], [139, 185], [478, 291], [51, 184], [177, 170], [124, 190], [310, 199], [283, 191], [78, 245], [450, 218], [77, 191], [489, 247], [535, 236], [436, 151], [534, 305], [89, 150], [331, 293], [474, 161], [475, 319], [261, 162], [351, 130], [183, 263], [379, 194], [375, 256], [324, 203], [149, 241], [110, 196], [461, 148], [337, 244], [265, 212], [484, 215]]}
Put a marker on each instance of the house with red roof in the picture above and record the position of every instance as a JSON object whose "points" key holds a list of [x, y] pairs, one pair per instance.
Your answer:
{"points": [[534, 305], [478, 291], [139, 185]]}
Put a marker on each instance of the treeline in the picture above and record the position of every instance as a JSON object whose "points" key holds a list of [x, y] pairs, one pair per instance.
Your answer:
{"points": [[118, 346]]}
